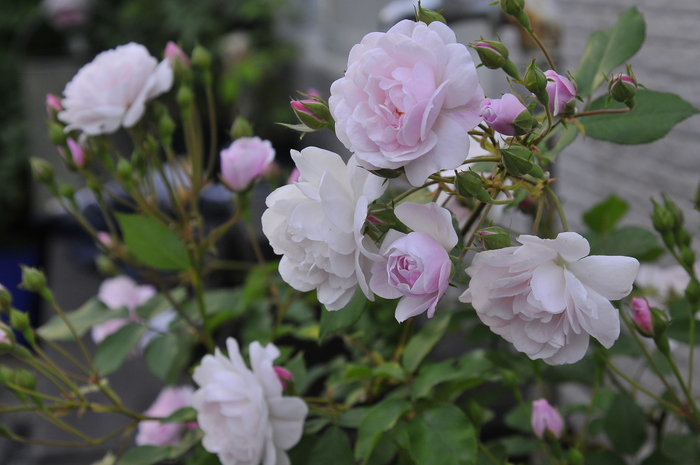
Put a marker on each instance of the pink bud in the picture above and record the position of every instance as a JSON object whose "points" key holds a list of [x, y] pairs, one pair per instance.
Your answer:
{"points": [[561, 91], [313, 92], [500, 113], [298, 106], [283, 374], [174, 53], [244, 160], [642, 316], [294, 177], [105, 238], [545, 417], [76, 151], [53, 105]]}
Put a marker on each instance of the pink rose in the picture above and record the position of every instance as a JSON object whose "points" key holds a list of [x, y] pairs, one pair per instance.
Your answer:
{"points": [[155, 433], [112, 90], [545, 417], [244, 160], [53, 105], [416, 266], [642, 316], [116, 293], [408, 99], [500, 113], [76, 151], [561, 92]]}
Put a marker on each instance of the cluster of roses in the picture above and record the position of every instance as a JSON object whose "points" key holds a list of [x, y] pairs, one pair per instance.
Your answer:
{"points": [[406, 105]]}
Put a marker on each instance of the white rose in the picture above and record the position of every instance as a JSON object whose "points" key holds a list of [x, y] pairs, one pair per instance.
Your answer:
{"points": [[316, 224], [112, 90], [546, 298], [242, 413], [409, 98]]}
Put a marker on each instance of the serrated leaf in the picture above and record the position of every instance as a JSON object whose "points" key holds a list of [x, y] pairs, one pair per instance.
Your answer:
{"points": [[653, 116], [609, 48], [420, 345], [379, 419], [442, 434], [603, 217], [153, 243], [167, 356], [91, 313], [144, 455], [116, 347], [334, 321]]}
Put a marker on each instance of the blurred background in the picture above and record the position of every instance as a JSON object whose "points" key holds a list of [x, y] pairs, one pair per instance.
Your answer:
{"points": [[264, 51]]}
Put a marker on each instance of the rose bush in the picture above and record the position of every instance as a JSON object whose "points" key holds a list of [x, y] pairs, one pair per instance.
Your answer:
{"points": [[112, 90], [416, 266], [546, 298], [408, 99], [242, 413], [316, 224]]}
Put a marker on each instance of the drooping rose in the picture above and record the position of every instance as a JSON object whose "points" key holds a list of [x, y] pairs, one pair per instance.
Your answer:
{"points": [[112, 90], [116, 293], [546, 298], [545, 417], [155, 433], [408, 99], [561, 91], [416, 266], [244, 417], [244, 160], [316, 224]]}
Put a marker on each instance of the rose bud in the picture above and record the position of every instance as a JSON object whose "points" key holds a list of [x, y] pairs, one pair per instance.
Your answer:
{"points": [[53, 106], [244, 160], [535, 81], [642, 317], [493, 54], [546, 418], [562, 93], [283, 375], [175, 54], [77, 153], [502, 114], [313, 113], [623, 88]]}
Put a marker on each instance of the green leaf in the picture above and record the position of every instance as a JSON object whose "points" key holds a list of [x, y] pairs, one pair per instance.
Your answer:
{"points": [[652, 117], [91, 313], [168, 355], [603, 458], [424, 340], [144, 455], [567, 137], [159, 303], [332, 322], [379, 419], [681, 448], [112, 352], [333, 447], [183, 415], [632, 241], [603, 217], [153, 243], [471, 368], [625, 424], [607, 49], [442, 434], [352, 418], [519, 418]]}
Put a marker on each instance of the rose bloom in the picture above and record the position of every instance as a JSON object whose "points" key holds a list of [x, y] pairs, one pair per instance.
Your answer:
{"points": [[244, 160], [155, 433], [316, 224], [242, 413], [561, 92], [408, 99], [500, 113], [112, 90], [546, 298], [416, 266], [116, 293], [545, 417]]}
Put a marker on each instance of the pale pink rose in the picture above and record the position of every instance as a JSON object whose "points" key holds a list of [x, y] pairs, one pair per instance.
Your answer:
{"points": [[500, 113], [175, 53], [642, 316], [416, 266], [116, 293], [561, 92], [546, 417], [546, 298], [244, 160], [112, 90], [76, 151], [317, 223], [53, 105], [155, 433], [242, 413], [408, 99]]}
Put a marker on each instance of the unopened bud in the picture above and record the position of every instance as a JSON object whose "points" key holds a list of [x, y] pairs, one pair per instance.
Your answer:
{"points": [[512, 7], [41, 170], [5, 299], [428, 16], [19, 320], [682, 237], [283, 375], [623, 88], [77, 153], [493, 55], [57, 136], [304, 111], [546, 419], [662, 219], [692, 292], [676, 212], [475, 412], [575, 457], [53, 106], [201, 58], [105, 265], [166, 126], [494, 238], [535, 81], [124, 169], [32, 279], [510, 379], [185, 96], [641, 314], [468, 183], [659, 321], [175, 54], [518, 160], [241, 128], [67, 191], [687, 257]]}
